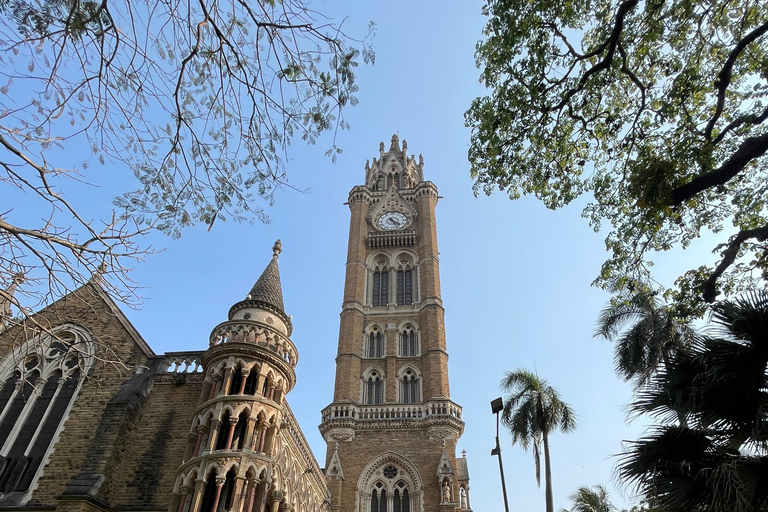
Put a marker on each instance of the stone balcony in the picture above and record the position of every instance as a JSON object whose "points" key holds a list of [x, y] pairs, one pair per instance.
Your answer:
{"points": [[258, 334], [421, 415]]}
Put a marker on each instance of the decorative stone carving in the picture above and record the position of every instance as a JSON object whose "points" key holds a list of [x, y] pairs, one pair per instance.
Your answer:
{"points": [[342, 434], [441, 433], [446, 492]]}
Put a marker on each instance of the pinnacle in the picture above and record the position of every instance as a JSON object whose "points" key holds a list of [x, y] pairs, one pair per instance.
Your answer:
{"points": [[268, 289], [267, 293]]}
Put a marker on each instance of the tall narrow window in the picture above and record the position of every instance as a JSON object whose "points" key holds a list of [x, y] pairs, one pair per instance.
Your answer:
{"points": [[374, 346], [380, 288], [373, 393], [375, 501], [383, 501], [404, 288], [34, 400], [376, 289], [409, 346], [409, 388]]}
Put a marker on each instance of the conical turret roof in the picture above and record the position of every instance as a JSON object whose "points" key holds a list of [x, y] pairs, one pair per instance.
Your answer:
{"points": [[267, 293]]}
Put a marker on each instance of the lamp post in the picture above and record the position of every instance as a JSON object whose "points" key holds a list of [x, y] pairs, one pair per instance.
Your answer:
{"points": [[496, 406]]}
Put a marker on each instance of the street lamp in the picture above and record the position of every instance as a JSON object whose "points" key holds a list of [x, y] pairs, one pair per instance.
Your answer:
{"points": [[496, 406]]}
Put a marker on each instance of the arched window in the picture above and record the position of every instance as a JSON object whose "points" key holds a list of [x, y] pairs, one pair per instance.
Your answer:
{"points": [[409, 342], [409, 388], [405, 280], [34, 399], [374, 343], [378, 284], [380, 288], [379, 499], [373, 392], [401, 501], [394, 478], [404, 287]]}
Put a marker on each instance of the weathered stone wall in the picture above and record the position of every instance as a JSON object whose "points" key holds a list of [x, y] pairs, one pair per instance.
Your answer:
{"points": [[85, 307], [414, 445]]}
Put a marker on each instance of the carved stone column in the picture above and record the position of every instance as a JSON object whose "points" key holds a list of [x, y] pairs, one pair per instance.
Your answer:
{"points": [[275, 499]]}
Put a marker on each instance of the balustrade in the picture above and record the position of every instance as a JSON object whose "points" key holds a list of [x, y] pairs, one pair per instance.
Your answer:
{"points": [[444, 408], [183, 362], [254, 333]]}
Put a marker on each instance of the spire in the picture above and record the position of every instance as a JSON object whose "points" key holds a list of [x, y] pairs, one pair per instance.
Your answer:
{"points": [[267, 293]]}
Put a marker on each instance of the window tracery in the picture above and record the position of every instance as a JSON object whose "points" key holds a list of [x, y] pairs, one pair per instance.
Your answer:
{"points": [[410, 386], [374, 343], [380, 282], [40, 381], [373, 388], [405, 280], [408, 342]]}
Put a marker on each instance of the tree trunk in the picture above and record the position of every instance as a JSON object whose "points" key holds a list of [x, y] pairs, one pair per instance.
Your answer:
{"points": [[547, 475]]}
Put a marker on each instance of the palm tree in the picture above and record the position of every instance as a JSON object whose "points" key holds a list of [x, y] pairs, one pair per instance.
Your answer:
{"points": [[588, 499], [646, 333], [533, 409], [717, 460]]}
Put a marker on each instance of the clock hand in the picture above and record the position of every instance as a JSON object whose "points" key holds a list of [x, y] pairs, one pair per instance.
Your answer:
{"points": [[392, 221]]}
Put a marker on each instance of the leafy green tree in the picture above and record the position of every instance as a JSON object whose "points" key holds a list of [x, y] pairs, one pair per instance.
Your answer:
{"points": [[532, 410], [591, 499], [646, 333], [717, 459], [655, 109], [189, 106]]}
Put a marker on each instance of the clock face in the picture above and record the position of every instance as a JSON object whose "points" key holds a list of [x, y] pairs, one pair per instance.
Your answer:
{"points": [[392, 221]]}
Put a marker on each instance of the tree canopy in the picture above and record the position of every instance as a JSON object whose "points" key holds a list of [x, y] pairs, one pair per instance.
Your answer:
{"points": [[190, 106], [709, 451], [655, 109]]}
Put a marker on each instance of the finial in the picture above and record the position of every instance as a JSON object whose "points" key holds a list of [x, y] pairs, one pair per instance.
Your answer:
{"points": [[337, 446], [367, 165], [443, 443], [277, 248], [98, 274], [464, 453], [405, 146], [381, 147], [421, 160], [395, 142]]}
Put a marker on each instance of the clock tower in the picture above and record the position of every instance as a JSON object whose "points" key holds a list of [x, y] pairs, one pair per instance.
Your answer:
{"points": [[392, 428]]}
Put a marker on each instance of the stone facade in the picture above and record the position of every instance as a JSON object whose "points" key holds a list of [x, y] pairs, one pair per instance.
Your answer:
{"points": [[181, 432], [392, 427], [92, 420]]}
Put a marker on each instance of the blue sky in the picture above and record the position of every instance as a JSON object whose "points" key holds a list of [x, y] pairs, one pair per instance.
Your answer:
{"points": [[515, 276]]}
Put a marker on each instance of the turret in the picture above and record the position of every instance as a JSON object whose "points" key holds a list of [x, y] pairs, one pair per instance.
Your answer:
{"points": [[249, 368]]}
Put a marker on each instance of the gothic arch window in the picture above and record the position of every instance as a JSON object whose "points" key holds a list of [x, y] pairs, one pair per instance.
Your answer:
{"points": [[409, 383], [408, 342], [401, 500], [405, 280], [380, 282], [374, 343], [40, 381], [391, 477], [379, 498], [373, 387]]}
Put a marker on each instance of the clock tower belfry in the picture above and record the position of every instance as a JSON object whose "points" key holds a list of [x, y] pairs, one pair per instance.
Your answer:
{"points": [[392, 428]]}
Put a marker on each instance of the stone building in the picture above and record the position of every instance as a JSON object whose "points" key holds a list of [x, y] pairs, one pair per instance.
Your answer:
{"points": [[212, 431]]}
